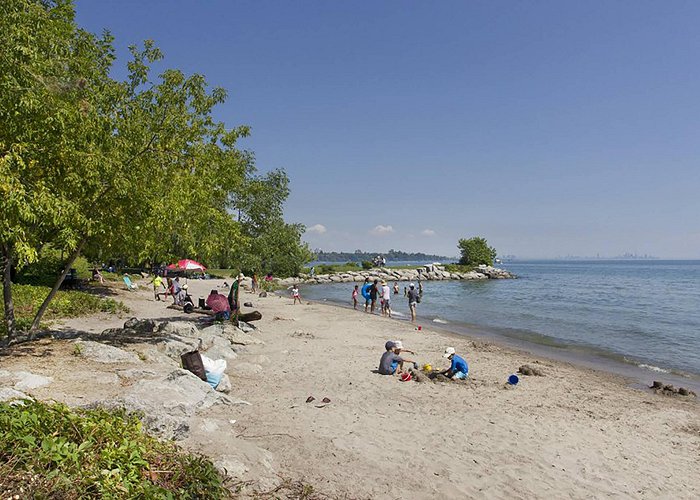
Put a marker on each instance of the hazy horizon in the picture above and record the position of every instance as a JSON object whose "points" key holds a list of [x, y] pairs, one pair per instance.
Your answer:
{"points": [[549, 128]]}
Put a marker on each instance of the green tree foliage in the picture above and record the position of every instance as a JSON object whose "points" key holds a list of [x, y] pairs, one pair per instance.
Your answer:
{"points": [[476, 251], [135, 169]]}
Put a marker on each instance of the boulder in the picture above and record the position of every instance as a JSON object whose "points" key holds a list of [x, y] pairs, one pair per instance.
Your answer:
{"points": [[179, 328], [246, 369], [246, 327], [8, 394], [239, 337], [103, 353], [141, 325], [224, 384]]}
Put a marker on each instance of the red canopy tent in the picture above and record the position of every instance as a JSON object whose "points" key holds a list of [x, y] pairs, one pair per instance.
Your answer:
{"points": [[187, 265]]}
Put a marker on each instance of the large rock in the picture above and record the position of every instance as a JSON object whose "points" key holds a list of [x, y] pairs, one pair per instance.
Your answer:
{"points": [[8, 394], [141, 325], [239, 337], [179, 328], [103, 353], [169, 403], [224, 384]]}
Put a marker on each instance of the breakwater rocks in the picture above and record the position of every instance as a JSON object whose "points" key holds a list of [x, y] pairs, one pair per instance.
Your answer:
{"points": [[429, 272]]}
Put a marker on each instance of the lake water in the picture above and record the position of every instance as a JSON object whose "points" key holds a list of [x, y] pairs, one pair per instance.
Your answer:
{"points": [[641, 313]]}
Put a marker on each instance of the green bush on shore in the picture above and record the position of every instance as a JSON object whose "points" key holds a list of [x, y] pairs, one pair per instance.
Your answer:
{"points": [[459, 268], [51, 451], [66, 304]]}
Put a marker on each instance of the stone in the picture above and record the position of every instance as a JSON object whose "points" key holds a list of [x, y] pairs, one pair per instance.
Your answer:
{"points": [[168, 403], [262, 294], [231, 467], [136, 374], [179, 328], [224, 384], [8, 394], [246, 327], [103, 353], [27, 380], [237, 336], [141, 325]]}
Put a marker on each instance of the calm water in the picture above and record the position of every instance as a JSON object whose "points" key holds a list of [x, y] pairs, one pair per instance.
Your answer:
{"points": [[645, 313]]}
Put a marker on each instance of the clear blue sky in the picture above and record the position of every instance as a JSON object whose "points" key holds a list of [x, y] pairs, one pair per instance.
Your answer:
{"points": [[548, 127]]}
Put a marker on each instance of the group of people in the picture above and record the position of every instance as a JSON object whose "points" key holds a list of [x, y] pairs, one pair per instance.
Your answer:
{"points": [[392, 362], [374, 291], [225, 308]]}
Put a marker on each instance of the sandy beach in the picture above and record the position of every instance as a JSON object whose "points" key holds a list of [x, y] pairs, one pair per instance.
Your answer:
{"points": [[574, 433]]}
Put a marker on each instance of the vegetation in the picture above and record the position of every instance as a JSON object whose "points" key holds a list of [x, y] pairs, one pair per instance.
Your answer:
{"points": [[51, 451], [79, 151], [476, 251], [66, 304], [335, 268], [459, 268], [391, 255]]}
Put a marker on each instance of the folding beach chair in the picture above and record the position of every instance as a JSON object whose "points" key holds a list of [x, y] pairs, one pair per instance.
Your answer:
{"points": [[129, 284]]}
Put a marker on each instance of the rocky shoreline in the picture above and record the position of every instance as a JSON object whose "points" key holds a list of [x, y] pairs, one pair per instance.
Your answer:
{"points": [[429, 272]]}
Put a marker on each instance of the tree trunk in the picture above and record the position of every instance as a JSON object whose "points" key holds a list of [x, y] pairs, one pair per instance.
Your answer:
{"points": [[7, 292], [56, 286]]}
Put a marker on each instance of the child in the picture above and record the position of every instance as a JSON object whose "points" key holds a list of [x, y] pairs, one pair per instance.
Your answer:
{"points": [[295, 294], [354, 296]]}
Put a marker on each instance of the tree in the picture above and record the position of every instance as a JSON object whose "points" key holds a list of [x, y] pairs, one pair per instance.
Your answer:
{"points": [[137, 169], [476, 251]]}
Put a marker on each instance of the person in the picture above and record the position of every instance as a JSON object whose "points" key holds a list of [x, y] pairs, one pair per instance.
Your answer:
{"points": [[254, 283], [97, 276], [412, 300], [175, 290], [373, 293], [295, 294], [458, 368], [354, 296], [405, 291], [157, 284], [312, 272], [219, 305], [233, 301], [391, 362], [420, 287], [268, 277], [365, 293], [386, 299], [396, 287], [398, 347]]}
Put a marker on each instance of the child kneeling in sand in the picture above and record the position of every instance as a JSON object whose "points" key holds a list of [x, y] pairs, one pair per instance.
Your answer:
{"points": [[391, 362], [458, 369]]}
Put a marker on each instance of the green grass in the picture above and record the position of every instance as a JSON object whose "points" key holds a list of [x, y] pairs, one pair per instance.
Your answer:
{"points": [[334, 268], [50, 451], [459, 268], [66, 304]]}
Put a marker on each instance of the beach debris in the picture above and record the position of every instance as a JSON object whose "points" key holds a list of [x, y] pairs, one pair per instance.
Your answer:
{"points": [[262, 294], [248, 304], [530, 370], [669, 390], [301, 334], [326, 400], [513, 380], [310, 399]]}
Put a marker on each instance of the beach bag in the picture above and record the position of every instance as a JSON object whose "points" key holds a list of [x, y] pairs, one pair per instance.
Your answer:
{"points": [[214, 370], [192, 361]]}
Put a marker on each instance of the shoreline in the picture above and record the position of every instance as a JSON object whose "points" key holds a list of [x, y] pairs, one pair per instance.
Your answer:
{"points": [[636, 376], [574, 432]]}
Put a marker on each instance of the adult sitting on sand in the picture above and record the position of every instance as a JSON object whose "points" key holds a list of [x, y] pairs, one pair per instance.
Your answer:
{"points": [[458, 368], [219, 305], [391, 362]]}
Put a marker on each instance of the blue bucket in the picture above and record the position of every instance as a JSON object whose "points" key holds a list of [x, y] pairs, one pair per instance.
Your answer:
{"points": [[513, 380]]}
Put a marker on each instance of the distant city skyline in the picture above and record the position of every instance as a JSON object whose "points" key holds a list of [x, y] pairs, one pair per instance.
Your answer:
{"points": [[549, 128]]}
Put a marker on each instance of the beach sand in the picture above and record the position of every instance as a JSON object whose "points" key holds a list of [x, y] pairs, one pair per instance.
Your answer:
{"points": [[575, 432]]}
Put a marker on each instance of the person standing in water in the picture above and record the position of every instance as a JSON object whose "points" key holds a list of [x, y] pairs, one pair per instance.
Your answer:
{"points": [[396, 287], [413, 298]]}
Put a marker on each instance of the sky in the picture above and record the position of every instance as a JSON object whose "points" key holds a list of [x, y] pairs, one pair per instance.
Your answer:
{"points": [[550, 128]]}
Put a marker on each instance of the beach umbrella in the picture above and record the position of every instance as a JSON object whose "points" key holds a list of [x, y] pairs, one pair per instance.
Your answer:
{"points": [[187, 265]]}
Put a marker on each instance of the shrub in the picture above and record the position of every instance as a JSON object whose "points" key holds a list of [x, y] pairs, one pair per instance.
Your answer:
{"points": [[367, 265], [66, 304], [51, 451], [476, 251]]}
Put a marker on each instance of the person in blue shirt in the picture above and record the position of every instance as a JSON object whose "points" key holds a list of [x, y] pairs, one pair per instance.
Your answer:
{"points": [[458, 368]]}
